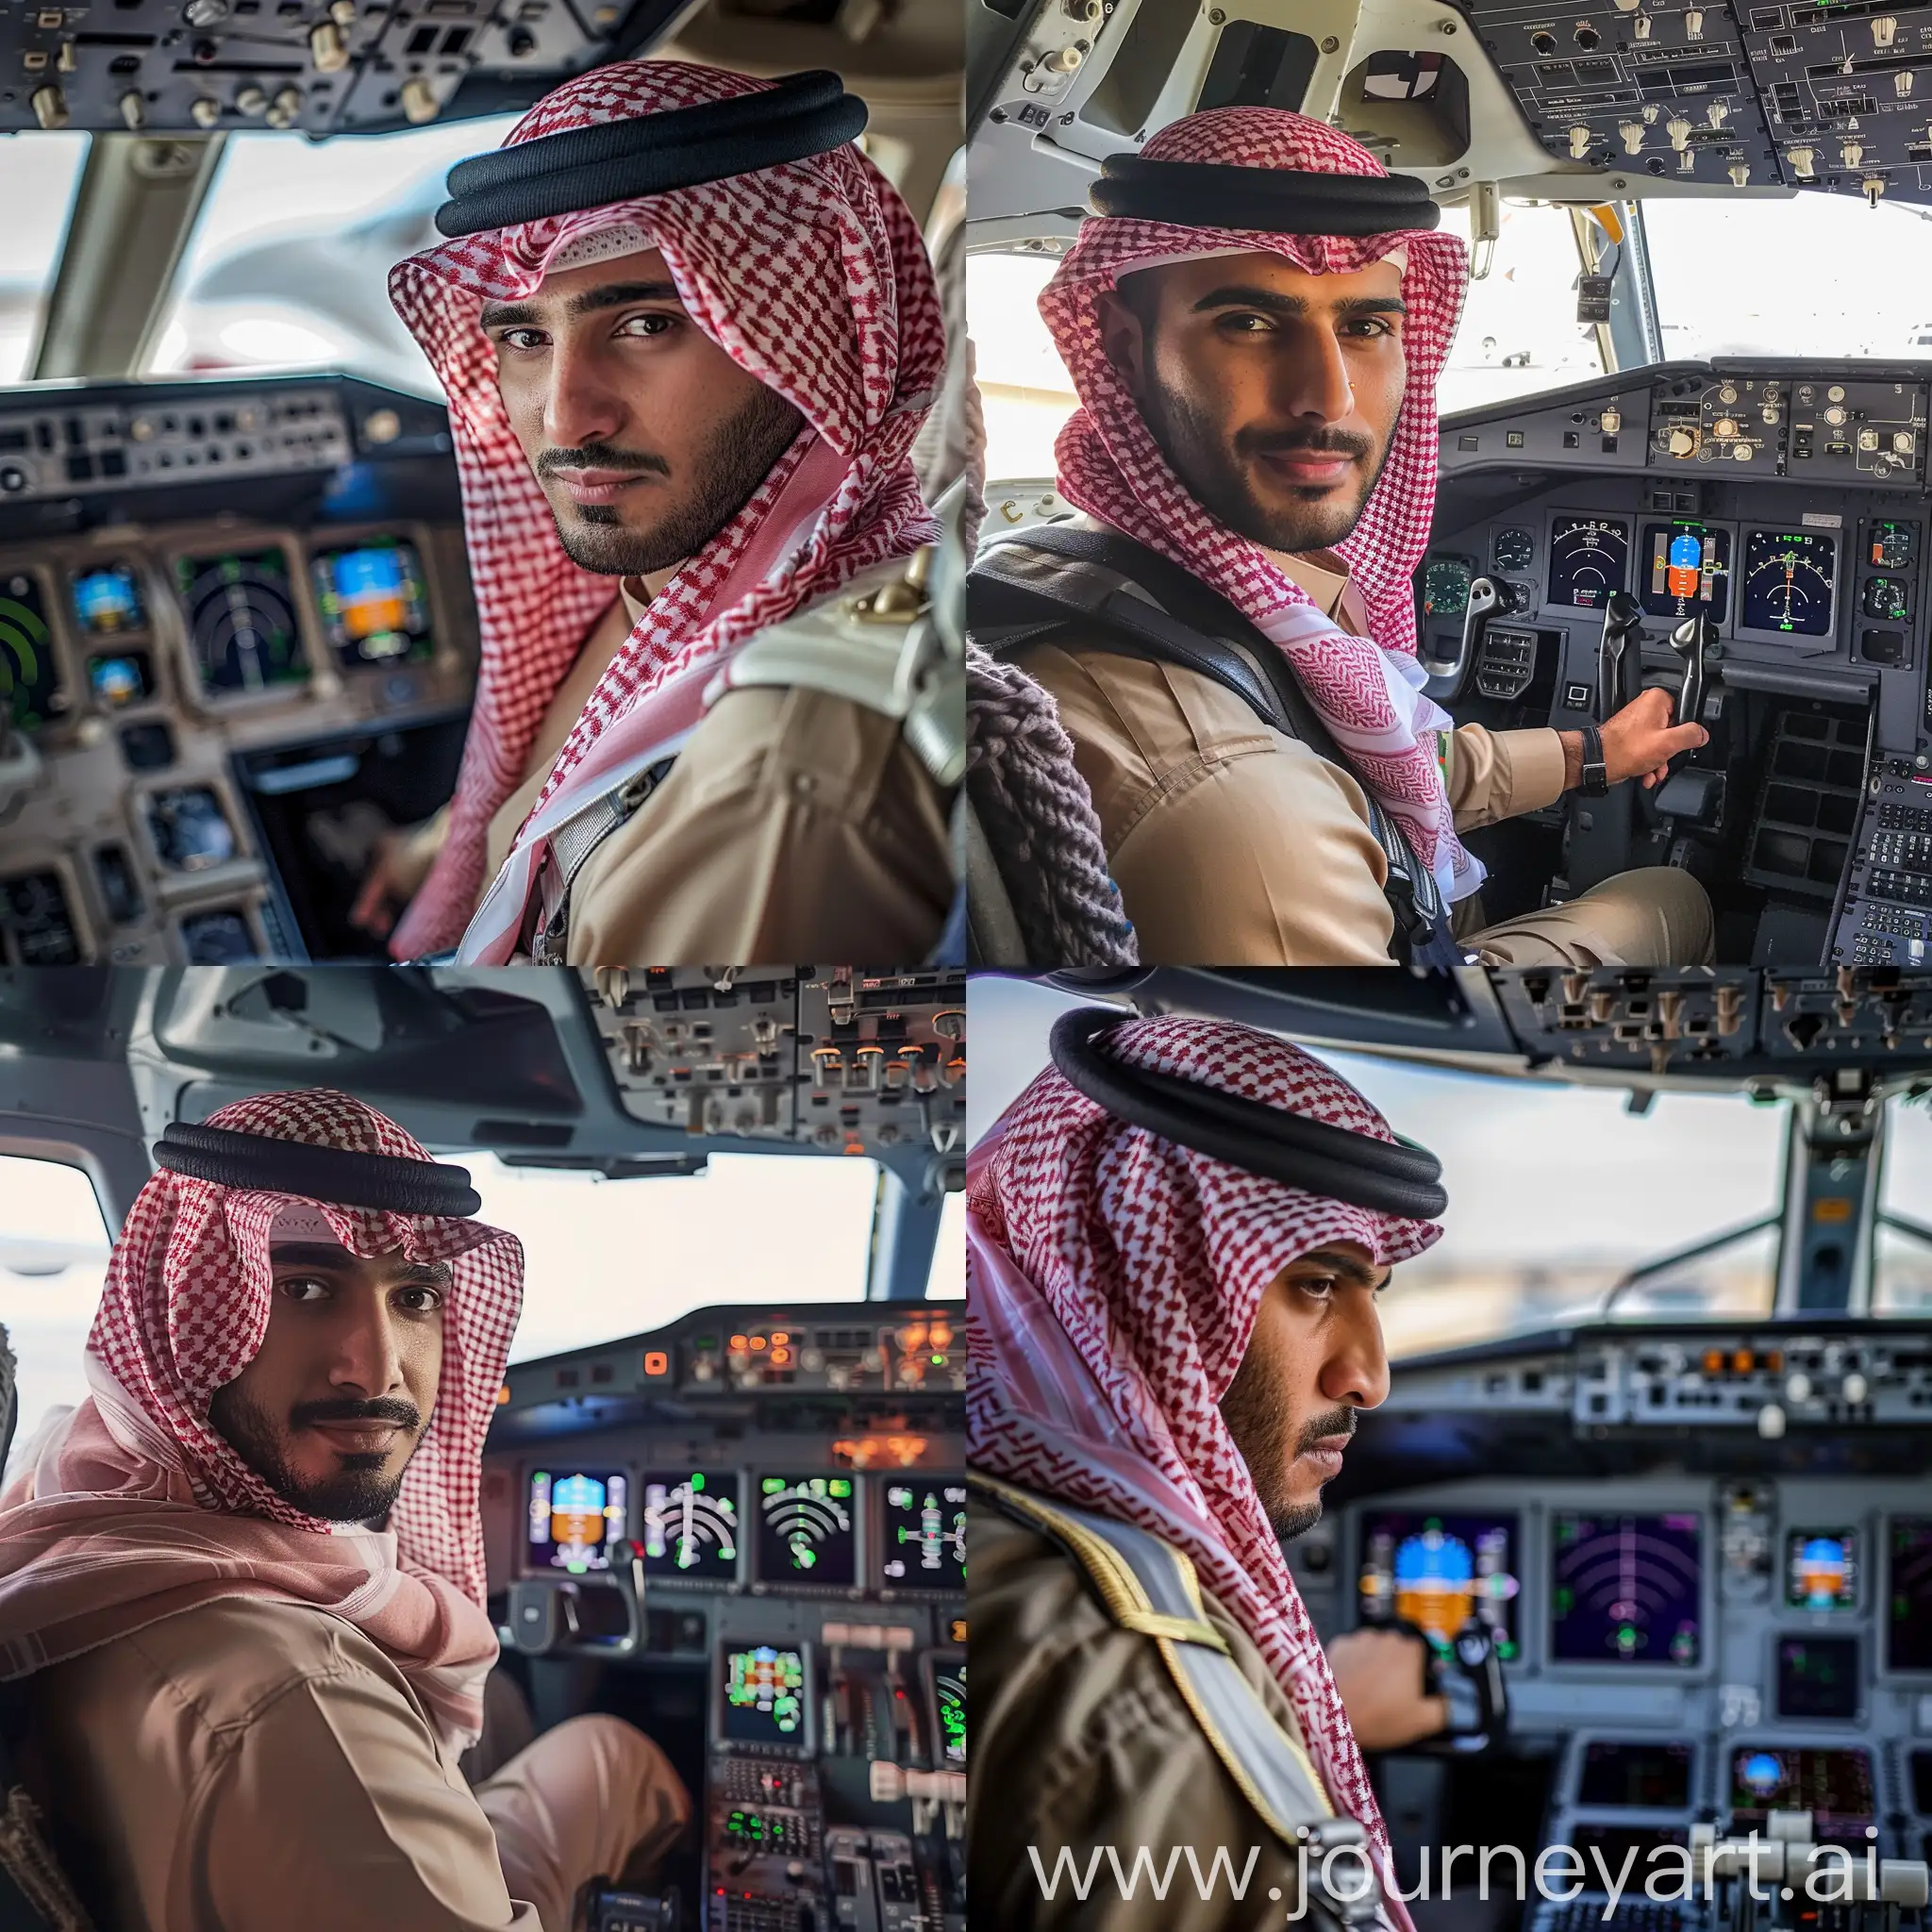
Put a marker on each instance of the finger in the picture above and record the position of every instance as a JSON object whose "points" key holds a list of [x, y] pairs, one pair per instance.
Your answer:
{"points": [[368, 900]]}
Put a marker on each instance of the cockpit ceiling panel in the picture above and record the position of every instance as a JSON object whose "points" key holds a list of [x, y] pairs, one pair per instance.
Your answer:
{"points": [[320, 67], [830, 1057], [1831, 99]]}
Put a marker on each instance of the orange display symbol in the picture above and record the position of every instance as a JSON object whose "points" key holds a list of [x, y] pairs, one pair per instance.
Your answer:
{"points": [[657, 1362]]}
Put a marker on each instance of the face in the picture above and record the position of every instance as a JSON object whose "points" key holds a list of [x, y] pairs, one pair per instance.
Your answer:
{"points": [[1272, 393], [1315, 1358], [646, 438], [331, 1409]]}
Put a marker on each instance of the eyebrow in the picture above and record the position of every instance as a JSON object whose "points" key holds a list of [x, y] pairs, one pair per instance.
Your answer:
{"points": [[1242, 295], [325, 1259], [605, 295], [1356, 1274]]}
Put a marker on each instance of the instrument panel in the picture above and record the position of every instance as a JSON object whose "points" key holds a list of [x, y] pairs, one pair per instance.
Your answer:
{"points": [[1769, 520], [226, 711], [753, 1499]]}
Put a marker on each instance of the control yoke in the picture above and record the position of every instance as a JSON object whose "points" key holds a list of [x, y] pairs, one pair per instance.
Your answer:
{"points": [[1484, 597], [1470, 1677], [1620, 657]]}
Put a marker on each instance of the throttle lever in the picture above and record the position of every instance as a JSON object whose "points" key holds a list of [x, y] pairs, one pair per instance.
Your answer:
{"points": [[1620, 655], [1484, 597]]}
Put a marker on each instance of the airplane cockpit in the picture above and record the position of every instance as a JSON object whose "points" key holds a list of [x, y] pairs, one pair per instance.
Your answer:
{"points": [[238, 636], [1650, 1478], [1683, 439], [723, 1492]]}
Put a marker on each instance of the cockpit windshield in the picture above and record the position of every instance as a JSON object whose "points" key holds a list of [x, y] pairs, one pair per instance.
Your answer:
{"points": [[38, 180], [289, 262]]}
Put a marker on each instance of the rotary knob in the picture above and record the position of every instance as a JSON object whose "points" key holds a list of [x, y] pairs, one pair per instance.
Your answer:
{"points": [[1724, 428], [1834, 416], [1854, 1389], [1683, 442], [1798, 1385]]}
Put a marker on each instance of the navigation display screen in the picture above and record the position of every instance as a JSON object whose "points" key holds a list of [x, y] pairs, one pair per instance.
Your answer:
{"points": [[241, 611], [1789, 581], [808, 1531], [373, 604], [1818, 1677], [1908, 1595], [1648, 1776], [1627, 1590], [766, 1696], [31, 690], [1821, 1569], [1831, 1784], [1439, 1572], [922, 1533], [577, 1518], [692, 1525]]}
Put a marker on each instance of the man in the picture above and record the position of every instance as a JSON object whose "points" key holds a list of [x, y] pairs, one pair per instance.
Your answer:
{"points": [[1168, 1346], [246, 1574], [689, 334], [1257, 406]]}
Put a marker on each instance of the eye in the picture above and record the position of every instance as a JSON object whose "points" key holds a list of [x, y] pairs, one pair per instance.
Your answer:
{"points": [[1319, 1286], [420, 1299], [303, 1288], [522, 339], [1370, 327], [647, 326], [1247, 324]]}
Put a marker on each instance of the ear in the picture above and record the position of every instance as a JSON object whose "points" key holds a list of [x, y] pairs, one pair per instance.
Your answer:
{"points": [[1122, 339]]}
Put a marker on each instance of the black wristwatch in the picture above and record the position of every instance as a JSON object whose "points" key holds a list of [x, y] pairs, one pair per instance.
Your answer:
{"points": [[1596, 774]]}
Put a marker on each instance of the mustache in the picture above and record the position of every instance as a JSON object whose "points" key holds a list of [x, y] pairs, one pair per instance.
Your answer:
{"points": [[379, 1408], [553, 462], [1282, 443], [1338, 1421]]}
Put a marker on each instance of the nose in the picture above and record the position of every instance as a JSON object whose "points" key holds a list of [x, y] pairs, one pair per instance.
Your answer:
{"points": [[581, 405], [1311, 378], [368, 1360], [1355, 1371]]}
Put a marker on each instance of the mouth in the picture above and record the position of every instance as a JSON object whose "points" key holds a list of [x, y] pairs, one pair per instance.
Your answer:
{"points": [[1308, 469], [1325, 1456], [367, 1438], [587, 486]]}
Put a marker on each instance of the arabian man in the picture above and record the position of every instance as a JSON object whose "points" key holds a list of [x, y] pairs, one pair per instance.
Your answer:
{"points": [[1254, 320], [244, 1579]]}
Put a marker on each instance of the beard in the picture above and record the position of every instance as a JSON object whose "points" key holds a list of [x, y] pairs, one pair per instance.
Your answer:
{"points": [[1211, 468], [358, 1492], [725, 473], [1258, 1419]]}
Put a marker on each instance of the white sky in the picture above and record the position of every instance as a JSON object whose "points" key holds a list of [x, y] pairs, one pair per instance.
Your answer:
{"points": [[603, 1259]]}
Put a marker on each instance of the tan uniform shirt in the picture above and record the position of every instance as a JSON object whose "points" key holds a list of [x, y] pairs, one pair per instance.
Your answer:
{"points": [[262, 1767], [1080, 1741], [1233, 843], [794, 825]]}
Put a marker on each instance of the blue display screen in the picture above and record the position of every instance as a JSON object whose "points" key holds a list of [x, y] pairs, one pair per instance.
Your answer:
{"points": [[1627, 1590], [1439, 1572], [108, 601], [373, 604]]}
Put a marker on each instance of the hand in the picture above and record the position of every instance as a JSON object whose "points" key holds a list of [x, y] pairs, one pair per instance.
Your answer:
{"points": [[1381, 1676], [395, 874], [1640, 741]]}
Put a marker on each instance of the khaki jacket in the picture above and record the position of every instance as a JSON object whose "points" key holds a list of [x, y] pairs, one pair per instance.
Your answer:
{"points": [[1081, 1741], [794, 825], [1232, 842], [250, 1766]]}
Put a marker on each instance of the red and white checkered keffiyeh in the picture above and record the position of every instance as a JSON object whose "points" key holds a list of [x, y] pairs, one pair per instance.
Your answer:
{"points": [[1367, 690], [1112, 1283], [133, 1508], [812, 277]]}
